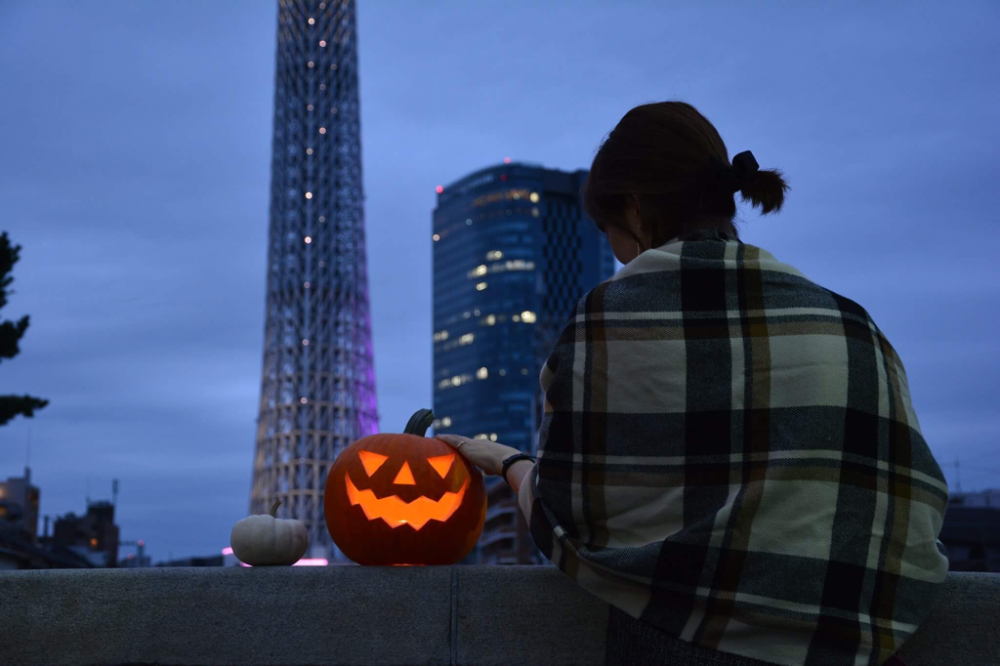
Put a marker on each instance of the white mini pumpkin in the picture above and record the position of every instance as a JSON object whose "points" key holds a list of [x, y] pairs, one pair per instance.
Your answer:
{"points": [[265, 540]]}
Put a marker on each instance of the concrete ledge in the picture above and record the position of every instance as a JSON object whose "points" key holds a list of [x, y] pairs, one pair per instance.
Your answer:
{"points": [[367, 615]]}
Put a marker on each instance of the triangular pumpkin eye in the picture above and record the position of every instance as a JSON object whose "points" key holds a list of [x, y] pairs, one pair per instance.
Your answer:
{"points": [[442, 464], [371, 461]]}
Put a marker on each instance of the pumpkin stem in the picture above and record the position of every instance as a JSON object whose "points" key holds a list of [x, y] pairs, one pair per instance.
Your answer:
{"points": [[419, 423], [274, 508]]}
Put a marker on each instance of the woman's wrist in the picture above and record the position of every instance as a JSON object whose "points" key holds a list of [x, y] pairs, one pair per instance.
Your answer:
{"points": [[516, 474], [502, 453]]}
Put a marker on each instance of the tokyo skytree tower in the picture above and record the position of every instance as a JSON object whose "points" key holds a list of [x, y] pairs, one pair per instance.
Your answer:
{"points": [[318, 384]]}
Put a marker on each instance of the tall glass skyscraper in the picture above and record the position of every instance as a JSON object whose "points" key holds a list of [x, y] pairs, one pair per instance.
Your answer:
{"points": [[513, 254], [318, 385]]}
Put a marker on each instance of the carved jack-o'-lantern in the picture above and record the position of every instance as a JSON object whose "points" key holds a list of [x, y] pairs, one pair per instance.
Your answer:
{"points": [[404, 499]]}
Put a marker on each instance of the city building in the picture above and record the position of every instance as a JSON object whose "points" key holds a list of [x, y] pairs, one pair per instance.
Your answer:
{"points": [[972, 538], [971, 531], [138, 561], [513, 254], [18, 497], [983, 498], [17, 552], [20, 545], [135, 561], [318, 381], [93, 536], [207, 561]]}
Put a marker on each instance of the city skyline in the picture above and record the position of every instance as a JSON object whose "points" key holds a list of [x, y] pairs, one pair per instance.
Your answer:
{"points": [[136, 176]]}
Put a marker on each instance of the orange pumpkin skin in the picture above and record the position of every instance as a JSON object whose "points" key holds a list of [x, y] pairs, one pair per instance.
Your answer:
{"points": [[404, 499]]}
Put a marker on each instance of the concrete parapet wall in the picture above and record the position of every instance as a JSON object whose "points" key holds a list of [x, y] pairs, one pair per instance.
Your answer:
{"points": [[477, 615]]}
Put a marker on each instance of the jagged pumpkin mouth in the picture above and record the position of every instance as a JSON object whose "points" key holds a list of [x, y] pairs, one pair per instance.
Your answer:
{"points": [[395, 512]]}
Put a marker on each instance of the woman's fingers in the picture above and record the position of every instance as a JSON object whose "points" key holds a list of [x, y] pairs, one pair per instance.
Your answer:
{"points": [[486, 455], [451, 440], [476, 451]]}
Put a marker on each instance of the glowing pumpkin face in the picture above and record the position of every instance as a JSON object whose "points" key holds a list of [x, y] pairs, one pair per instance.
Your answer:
{"points": [[404, 499]]}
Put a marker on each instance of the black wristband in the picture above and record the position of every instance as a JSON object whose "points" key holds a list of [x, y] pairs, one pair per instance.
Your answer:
{"points": [[511, 460]]}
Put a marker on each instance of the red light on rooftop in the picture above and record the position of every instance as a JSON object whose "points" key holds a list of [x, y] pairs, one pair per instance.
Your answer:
{"points": [[503, 176], [439, 189], [141, 542], [506, 160]]}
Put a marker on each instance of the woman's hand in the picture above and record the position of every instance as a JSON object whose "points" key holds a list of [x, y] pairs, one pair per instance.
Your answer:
{"points": [[484, 454]]}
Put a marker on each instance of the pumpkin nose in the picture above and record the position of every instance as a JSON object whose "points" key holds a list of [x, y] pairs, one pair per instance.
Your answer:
{"points": [[405, 476]]}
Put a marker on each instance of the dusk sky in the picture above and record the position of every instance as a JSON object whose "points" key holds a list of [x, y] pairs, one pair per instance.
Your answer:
{"points": [[135, 147]]}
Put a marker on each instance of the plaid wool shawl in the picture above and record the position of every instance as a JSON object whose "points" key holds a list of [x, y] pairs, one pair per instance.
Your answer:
{"points": [[729, 453]]}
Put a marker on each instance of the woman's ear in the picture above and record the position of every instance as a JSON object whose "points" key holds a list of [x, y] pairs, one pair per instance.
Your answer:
{"points": [[634, 207], [633, 217]]}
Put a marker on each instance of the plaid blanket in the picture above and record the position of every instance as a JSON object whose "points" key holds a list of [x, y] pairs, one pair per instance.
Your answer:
{"points": [[729, 453]]}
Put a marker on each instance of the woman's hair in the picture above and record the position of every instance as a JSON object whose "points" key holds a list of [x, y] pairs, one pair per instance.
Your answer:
{"points": [[660, 154]]}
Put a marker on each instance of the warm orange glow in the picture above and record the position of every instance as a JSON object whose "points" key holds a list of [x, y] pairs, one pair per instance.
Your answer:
{"points": [[371, 461], [93, 541], [396, 512], [442, 464], [405, 476]]}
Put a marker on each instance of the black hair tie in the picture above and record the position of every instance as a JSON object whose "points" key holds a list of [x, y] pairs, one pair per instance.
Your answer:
{"points": [[735, 177]]}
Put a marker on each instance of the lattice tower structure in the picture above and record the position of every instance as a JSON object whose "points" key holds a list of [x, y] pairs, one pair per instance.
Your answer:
{"points": [[318, 386]]}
